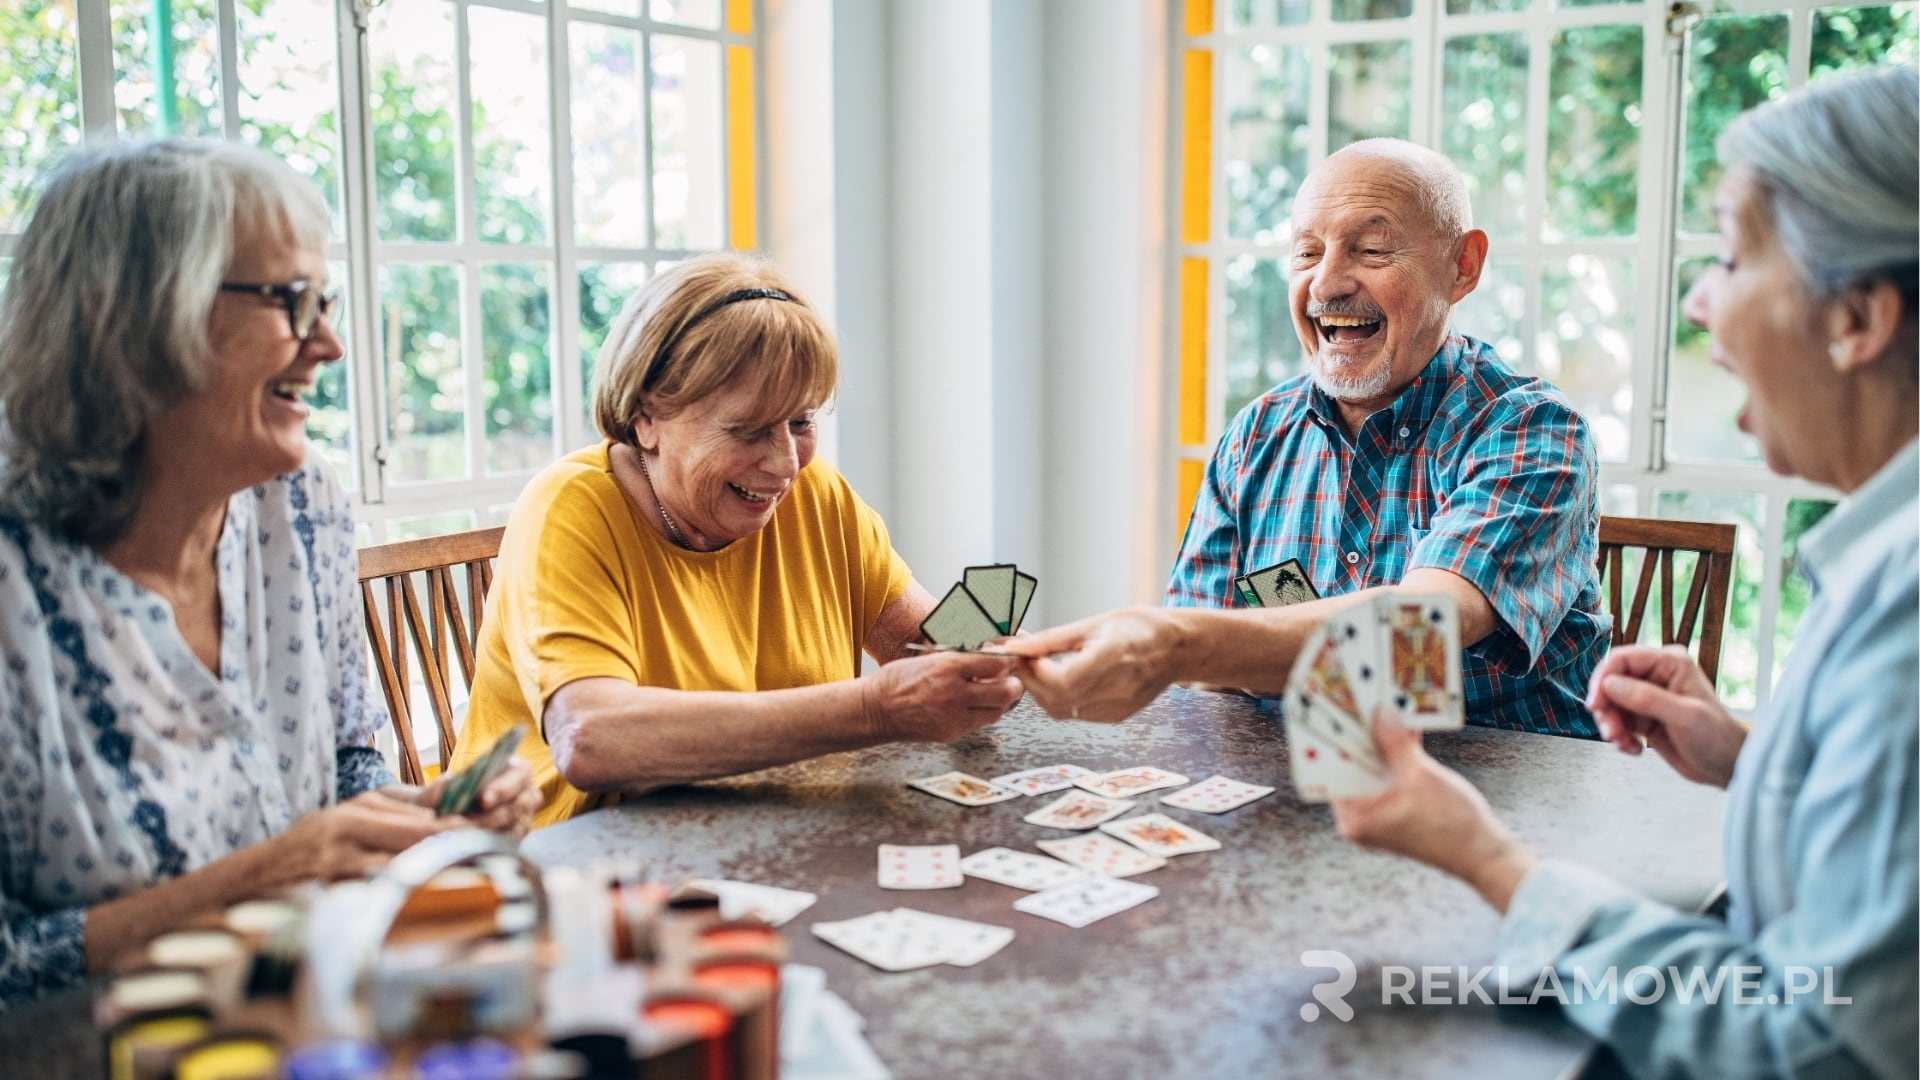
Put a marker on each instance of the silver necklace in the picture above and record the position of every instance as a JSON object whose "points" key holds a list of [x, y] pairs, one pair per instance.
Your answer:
{"points": [[673, 531]]}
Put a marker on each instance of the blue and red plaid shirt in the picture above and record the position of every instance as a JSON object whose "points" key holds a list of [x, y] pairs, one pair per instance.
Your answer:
{"points": [[1473, 469]]}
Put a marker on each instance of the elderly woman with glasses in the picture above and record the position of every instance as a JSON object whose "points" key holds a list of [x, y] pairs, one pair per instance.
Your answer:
{"points": [[184, 710], [1812, 306], [690, 598]]}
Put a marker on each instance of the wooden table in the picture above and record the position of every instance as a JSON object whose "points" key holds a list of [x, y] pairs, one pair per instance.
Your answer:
{"points": [[1206, 979]]}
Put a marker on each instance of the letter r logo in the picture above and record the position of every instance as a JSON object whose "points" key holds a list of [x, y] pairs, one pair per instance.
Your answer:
{"points": [[1330, 994]]}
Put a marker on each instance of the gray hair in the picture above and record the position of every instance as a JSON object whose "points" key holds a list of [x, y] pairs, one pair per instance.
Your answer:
{"points": [[1438, 184], [1840, 166], [105, 318]]}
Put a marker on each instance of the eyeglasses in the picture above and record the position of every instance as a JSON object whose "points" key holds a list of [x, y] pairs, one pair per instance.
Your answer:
{"points": [[305, 304]]}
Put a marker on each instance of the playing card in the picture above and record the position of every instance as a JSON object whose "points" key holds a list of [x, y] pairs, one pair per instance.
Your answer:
{"points": [[1019, 869], [933, 866], [957, 621], [1358, 643], [1042, 780], [1102, 855], [963, 789], [1280, 585], [1086, 901], [461, 792], [768, 903], [1247, 595], [1023, 586], [884, 941], [1123, 782], [1422, 651], [992, 588], [1078, 810], [1321, 672], [1216, 795], [1321, 769], [1353, 738], [1158, 834], [963, 943]]}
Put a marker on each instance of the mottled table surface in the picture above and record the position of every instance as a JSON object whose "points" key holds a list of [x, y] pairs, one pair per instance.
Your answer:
{"points": [[1206, 979]]}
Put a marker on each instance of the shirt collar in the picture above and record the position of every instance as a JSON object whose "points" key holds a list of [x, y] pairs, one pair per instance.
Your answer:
{"points": [[1416, 404], [1847, 536]]}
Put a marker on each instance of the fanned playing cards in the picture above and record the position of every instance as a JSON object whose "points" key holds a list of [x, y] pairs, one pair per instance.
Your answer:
{"points": [[988, 603], [1277, 586]]}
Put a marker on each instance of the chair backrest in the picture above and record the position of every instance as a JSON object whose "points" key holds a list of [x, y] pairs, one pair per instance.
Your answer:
{"points": [[1658, 542], [446, 631]]}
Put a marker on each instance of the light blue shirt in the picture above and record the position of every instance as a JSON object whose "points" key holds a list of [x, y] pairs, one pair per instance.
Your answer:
{"points": [[1821, 848]]}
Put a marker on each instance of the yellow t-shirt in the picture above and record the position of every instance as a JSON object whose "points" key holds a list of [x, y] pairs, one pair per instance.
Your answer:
{"points": [[583, 588]]}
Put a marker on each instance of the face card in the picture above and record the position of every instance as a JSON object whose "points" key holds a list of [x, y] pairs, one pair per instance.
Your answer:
{"points": [[1158, 834], [461, 792], [1216, 795], [1102, 855], [1078, 810], [884, 941], [1350, 737], [1086, 901], [1019, 869], [1042, 780], [768, 903], [1356, 641], [932, 866], [963, 789], [1023, 586], [1321, 673], [958, 622], [1123, 782], [1423, 660], [992, 586], [1321, 770], [963, 942], [1278, 586]]}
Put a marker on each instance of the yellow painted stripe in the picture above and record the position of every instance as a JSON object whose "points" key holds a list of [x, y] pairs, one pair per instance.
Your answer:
{"points": [[739, 16], [1196, 173], [741, 176], [1199, 17], [1193, 352], [1191, 473]]}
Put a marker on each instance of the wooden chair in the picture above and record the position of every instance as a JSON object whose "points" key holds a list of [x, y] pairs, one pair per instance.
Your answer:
{"points": [[444, 632], [1659, 542]]}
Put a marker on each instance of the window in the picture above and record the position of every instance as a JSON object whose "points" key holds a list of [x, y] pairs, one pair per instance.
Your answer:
{"points": [[1558, 113], [528, 165]]}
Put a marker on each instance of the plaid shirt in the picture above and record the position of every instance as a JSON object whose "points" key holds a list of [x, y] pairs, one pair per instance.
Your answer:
{"points": [[1474, 470]]}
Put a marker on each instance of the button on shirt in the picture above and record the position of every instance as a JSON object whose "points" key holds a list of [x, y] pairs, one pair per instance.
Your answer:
{"points": [[1474, 470]]}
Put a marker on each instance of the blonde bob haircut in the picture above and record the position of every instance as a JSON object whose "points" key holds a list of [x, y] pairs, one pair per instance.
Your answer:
{"points": [[703, 325]]}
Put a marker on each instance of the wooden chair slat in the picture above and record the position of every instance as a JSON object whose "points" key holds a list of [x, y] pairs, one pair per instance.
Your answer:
{"points": [[1707, 588]]}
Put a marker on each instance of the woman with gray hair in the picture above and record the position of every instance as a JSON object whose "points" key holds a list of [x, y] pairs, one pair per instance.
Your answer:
{"points": [[184, 712], [1812, 305]]}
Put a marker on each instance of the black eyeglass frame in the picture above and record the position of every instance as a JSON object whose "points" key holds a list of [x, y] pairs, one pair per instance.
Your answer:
{"points": [[302, 301]]}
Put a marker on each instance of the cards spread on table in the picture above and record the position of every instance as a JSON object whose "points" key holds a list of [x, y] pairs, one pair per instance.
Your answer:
{"points": [[1078, 810], [1158, 834], [1019, 869], [1396, 649], [903, 939], [460, 794], [1123, 782], [1277, 586], [988, 603], [768, 903], [1041, 781], [1216, 795], [933, 866], [1102, 855], [963, 789], [1087, 901]]}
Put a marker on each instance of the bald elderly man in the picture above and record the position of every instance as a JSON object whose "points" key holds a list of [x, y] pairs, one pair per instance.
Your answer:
{"points": [[1406, 456]]}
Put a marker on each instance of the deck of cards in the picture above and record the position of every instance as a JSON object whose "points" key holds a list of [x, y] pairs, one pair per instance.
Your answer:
{"points": [[987, 604], [1399, 650]]}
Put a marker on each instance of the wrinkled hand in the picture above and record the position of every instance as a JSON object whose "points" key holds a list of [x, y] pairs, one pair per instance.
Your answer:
{"points": [[1118, 663], [355, 838], [506, 805], [1433, 815], [940, 696], [1661, 698]]}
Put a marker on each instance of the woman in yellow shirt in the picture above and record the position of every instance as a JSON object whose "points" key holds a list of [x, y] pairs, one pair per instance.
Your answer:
{"points": [[689, 598]]}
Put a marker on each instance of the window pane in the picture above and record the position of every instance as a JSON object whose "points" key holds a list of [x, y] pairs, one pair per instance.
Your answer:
{"points": [[1267, 137], [1593, 133], [1854, 37], [1351, 10], [609, 138], [183, 56], [1483, 109], [1368, 90], [330, 425], [1495, 312], [687, 174], [413, 528], [1476, 7], [1245, 13], [1262, 349], [1802, 514], [40, 84], [426, 385], [1585, 342], [1739, 647], [288, 85], [617, 7], [604, 288], [411, 45], [1734, 63], [516, 351], [511, 125], [704, 14], [1705, 430], [1620, 500]]}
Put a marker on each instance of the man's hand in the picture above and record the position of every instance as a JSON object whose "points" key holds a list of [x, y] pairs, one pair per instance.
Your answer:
{"points": [[1119, 662], [1661, 698]]}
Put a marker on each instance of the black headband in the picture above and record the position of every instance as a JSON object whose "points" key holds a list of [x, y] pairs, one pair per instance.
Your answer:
{"points": [[666, 350]]}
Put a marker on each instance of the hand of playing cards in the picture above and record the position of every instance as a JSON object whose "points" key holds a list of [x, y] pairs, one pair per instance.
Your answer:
{"points": [[460, 793], [988, 603], [1400, 650]]}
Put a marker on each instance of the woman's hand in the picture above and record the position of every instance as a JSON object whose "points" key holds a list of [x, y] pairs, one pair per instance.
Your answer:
{"points": [[1117, 664], [939, 697], [1431, 814], [1660, 698], [353, 839]]}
